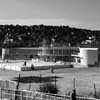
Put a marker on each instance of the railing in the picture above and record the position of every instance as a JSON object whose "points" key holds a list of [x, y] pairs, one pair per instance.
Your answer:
{"points": [[28, 95], [7, 84], [10, 94], [8, 91]]}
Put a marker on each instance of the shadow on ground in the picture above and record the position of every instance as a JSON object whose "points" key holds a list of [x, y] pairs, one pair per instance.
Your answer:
{"points": [[36, 79]]}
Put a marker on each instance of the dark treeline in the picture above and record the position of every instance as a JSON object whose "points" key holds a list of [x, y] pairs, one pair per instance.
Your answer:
{"points": [[34, 35]]}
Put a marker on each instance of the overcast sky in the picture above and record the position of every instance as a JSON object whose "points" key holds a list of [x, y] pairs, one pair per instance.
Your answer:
{"points": [[79, 13]]}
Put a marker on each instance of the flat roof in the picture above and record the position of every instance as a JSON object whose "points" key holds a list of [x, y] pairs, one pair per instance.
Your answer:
{"points": [[89, 48]]}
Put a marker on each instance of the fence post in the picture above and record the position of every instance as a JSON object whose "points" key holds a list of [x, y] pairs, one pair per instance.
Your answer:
{"points": [[17, 87], [40, 80], [21, 95], [74, 94], [74, 91], [1, 93], [74, 83], [55, 82], [95, 91]]}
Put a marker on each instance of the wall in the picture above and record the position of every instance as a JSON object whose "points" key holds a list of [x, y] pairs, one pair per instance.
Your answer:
{"points": [[89, 56]]}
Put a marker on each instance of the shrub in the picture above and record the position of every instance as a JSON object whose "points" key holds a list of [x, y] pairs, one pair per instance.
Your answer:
{"points": [[97, 95], [48, 88]]}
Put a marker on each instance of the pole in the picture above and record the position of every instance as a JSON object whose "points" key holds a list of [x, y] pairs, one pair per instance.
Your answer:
{"points": [[55, 81], [40, 79], [17, 87], [1, 93], [74, 83], [74, 91], [94, 90], [74, 94]]}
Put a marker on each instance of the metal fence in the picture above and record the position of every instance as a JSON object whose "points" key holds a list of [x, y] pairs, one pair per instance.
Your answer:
{"points": [[8, 91], [7, 84], [28, 95], [10, 94]]}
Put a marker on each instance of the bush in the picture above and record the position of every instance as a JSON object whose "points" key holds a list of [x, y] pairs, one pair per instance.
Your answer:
{"points": [[97, 95], [48, 88]]}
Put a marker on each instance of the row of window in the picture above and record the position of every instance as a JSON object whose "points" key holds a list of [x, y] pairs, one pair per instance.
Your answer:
{"points": [[59, 52], [15, 52]]}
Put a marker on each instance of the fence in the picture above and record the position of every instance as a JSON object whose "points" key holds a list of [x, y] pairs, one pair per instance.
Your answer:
{"points": [[8, 91], [10, 94], [28, 95], [7, 84]]}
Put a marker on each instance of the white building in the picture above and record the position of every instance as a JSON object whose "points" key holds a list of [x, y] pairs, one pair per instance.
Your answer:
{"points": [[88, 56], [75, 55]]}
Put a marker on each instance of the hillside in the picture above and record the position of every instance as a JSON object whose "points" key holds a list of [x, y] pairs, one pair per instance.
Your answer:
{"points": [[34, 35]]}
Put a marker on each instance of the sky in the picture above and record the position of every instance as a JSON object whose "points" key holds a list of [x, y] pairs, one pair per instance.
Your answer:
{"points": [[75, 13]]}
